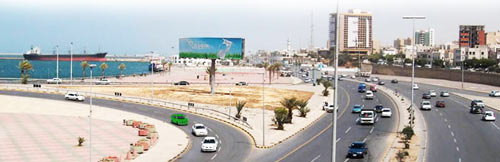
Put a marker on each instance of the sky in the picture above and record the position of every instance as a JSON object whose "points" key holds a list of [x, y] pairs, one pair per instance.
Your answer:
{"points": [[141, 26]]}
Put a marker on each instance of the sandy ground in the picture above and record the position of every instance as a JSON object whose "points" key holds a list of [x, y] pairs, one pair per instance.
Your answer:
{"points": [[201, 94]]}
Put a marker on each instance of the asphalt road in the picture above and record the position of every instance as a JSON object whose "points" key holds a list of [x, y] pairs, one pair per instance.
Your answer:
{"points": [[314, 143], [234, 145], [454, 134]]}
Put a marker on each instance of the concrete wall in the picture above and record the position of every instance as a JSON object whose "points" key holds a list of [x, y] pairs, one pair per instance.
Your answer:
{"points": [[454, 75]]}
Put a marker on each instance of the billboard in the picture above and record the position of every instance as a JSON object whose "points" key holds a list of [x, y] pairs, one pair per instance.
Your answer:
{"points": [[212, 48]]}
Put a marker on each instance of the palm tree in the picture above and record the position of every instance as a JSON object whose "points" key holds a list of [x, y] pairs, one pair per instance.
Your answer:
{"points": [[280, 114], [104, 66], [122, 67], [84, 65], [270, 68], [239, 107], [277, 67], [327, 84], [24, 66], [303, 109], [170, 66], [290, 104]]}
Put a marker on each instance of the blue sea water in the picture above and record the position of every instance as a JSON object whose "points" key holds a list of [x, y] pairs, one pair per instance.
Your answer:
{"points": [[47, 69]]}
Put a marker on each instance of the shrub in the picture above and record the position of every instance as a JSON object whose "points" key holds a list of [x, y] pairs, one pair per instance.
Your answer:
{"points": [[80, 141], [280, 114], [408, 132], [239, 107], [303, 109]]}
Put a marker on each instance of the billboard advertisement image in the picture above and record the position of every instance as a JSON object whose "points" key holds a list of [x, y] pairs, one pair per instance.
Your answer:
{"points": [[212, 48]]}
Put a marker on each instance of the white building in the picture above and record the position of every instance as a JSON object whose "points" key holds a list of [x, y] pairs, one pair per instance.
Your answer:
{"points": [[466, 53], [389, 51]]}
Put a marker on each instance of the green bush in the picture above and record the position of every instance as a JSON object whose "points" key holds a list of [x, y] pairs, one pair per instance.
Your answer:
{"points": [[408, 132], [80, 141]]}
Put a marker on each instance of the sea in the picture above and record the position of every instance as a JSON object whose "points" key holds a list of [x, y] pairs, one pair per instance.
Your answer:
{"points": [[9, 68]]}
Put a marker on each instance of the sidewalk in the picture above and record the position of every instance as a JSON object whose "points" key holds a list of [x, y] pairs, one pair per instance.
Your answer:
{"points": [[444, 83], [171, 138]]}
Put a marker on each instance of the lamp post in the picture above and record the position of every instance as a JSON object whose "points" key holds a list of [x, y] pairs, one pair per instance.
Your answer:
{"points": [[334, 118], [263, 110], [91, 66], [413, 18], [71, 63]]}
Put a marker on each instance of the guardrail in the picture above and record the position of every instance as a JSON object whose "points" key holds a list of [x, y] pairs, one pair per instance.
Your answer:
{"points": [[178, 105]]}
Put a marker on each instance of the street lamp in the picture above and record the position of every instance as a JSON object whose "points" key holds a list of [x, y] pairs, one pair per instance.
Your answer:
{"points": [[91, 66], [334, 118], [263, 110], [413, 18], [71, 63]]}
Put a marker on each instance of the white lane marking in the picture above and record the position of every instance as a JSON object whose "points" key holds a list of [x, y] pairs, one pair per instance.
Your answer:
{"points": [[316, 158], [213, 157], [220, 141], [357, 120], [364, 140], [445, 120], [495, 126], [216, 135], [437, 110], [376, 120], [219, 149], [449, 126], [455, 140], [338, 139], [440, 114], [347, 159], [348, 129], [452, 134], [371, 130], [458, 149], [459, 159], [210, 130]]}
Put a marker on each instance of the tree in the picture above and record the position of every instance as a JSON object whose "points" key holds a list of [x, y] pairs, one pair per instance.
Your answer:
{"points": [[270, 68], [276, 69], [239, 107], [303, 109], [280, 115], [290, 104], [24, 66], [375, 57], [170, 66], [103, 66], [122, 67], [84, 65], [327, 84], [210, 74]]}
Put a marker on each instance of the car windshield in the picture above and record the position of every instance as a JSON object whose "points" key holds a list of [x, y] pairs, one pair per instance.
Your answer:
{"points": [[488, 113], [357, 145], [366, 114], [199, 127], [386, 110], [209, 141], [357, 106], [425, 103], [180, 117]]}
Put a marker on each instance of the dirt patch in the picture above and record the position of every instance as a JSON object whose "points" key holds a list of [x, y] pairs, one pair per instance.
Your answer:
{"points": [[201, 94], [412, 151]]}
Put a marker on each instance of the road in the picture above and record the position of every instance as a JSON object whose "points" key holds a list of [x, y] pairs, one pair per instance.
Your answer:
{"points": [[314, 143], [231, 138], [454, 134]]}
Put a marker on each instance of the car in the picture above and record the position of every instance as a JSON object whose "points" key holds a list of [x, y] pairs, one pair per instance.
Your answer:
{"points": [[378, 108], [179, 119], [357, 108], [343, 75], [381, 83], [357, 149], [495, 93], [103, 82], [209, 144], [304, 75], [426, 95], [182, 83], [445, 94], [386, 112], [477, 102], [432, 93], [362, 87], [353, 77], [373, 88], [415, 86], [307, 80], [74, 96], [341, 79], [199, 130], [376, 79], [54, 81], [367, 116], [475, 109], [241, 83], [489, 116], [394, 81], [368, 80], [330, 109], [425, 105], [369, 95], [440, 103]]}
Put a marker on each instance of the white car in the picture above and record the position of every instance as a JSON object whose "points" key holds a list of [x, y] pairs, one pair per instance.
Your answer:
{"points": [[426, 105], [445, 94], [375, 79], [330, 109], [209, 144], [353, 77], [432, 93], [368, 80], [386, 112], [489, 116], [369, 95], [74, 96], [103, 82], [415, 86], [54, 81], [495, 93], [199, 130], [307, 80]]}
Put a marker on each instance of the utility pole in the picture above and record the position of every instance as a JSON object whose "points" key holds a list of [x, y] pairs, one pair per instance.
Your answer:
{"points": [[334, 118], [91, 66]]}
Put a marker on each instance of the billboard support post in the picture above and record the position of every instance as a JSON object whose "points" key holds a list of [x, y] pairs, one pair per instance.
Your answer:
{"points": [[212, 73]]}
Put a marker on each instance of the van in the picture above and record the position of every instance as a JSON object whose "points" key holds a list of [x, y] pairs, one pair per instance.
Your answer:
{"points": [[362, 87]]}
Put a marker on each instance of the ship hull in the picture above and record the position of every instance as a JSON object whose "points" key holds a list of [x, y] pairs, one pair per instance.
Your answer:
{"points": [[66, 57]]}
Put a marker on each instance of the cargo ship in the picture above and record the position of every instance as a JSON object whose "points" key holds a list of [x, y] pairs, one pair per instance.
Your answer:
{"points": [[34, 54]]}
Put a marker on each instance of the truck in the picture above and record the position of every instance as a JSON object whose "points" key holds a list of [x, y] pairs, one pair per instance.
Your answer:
{"points": [[362, 88], [367, 116]]}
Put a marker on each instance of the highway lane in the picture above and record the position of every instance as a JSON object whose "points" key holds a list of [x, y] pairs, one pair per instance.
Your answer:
{"points": [[454, 134], [231, 138], [317, 146]]}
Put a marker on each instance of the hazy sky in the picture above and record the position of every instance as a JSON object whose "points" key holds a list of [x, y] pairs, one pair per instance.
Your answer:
{"points": [[140, 26]]}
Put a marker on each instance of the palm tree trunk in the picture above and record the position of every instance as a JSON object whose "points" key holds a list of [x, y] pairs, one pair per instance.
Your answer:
{"points": [[83, 76], [270, 76]]}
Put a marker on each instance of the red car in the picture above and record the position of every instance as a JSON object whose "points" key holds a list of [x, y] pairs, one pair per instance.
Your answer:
{"points": [[373, 87], [440, 104]]}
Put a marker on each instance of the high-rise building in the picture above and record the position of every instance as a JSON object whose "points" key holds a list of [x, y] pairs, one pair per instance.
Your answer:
{"points": [[355, 32], [425, 37], [472, 36], [400, 43]]}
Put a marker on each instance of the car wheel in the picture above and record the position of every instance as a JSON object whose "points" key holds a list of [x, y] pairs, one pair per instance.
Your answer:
{"points": [[66, 98]]}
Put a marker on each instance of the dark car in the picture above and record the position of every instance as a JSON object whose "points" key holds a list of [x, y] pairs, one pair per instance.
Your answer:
{"points": [[394, 81], [241, 83], [182, 83], [381, 83], [426, 96], [440, 104], [476, 109], [357, 149], [378, 108]]}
